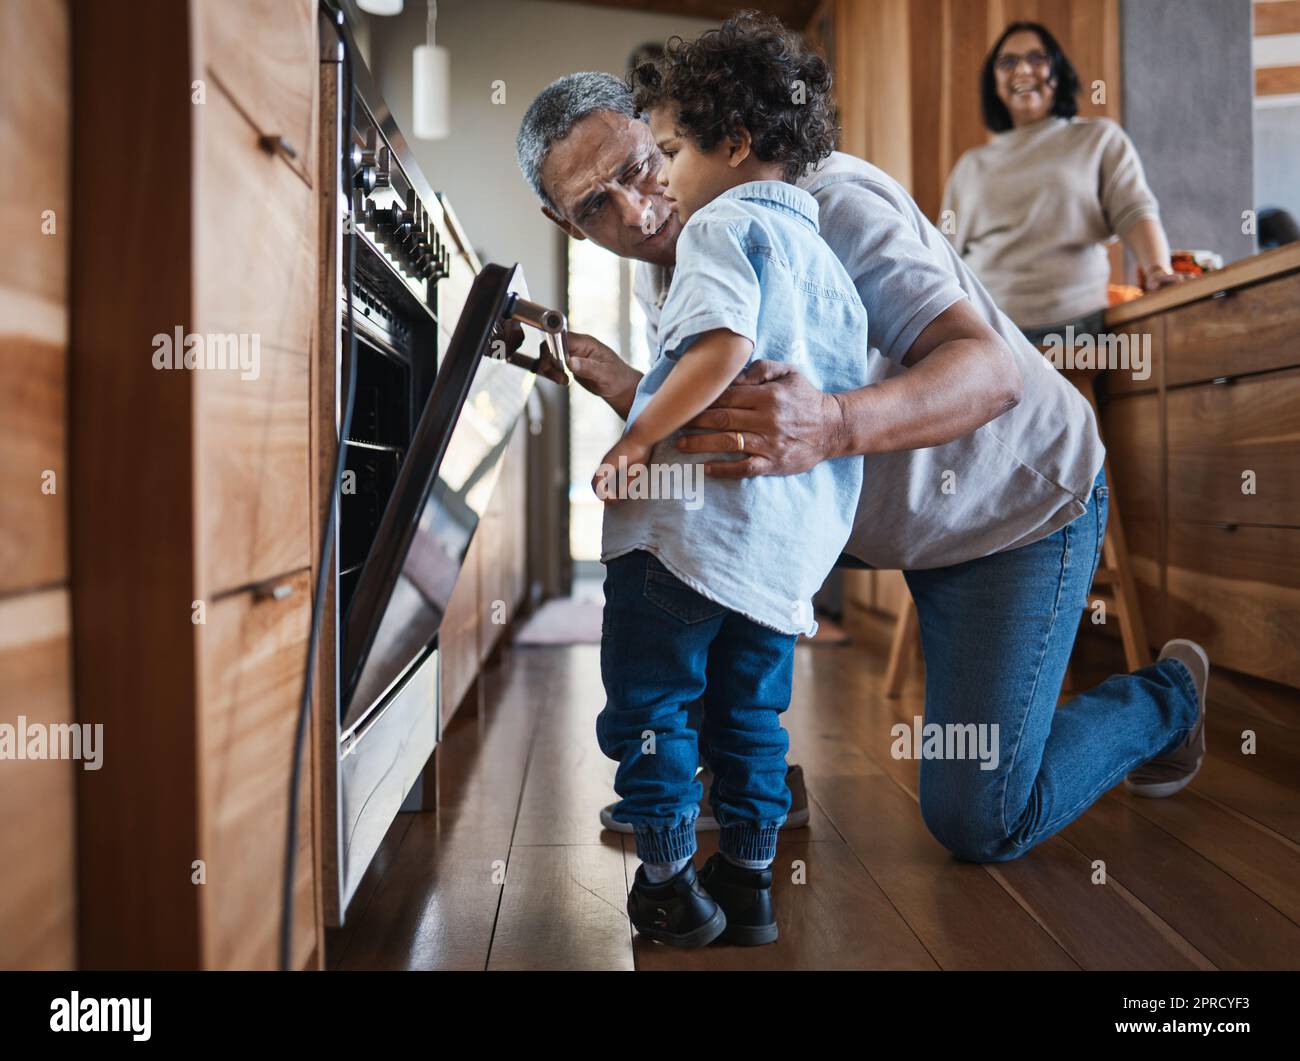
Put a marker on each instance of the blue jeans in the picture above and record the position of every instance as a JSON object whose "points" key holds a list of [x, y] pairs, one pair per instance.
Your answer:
{"points": [[997, 634], [663, 646]]}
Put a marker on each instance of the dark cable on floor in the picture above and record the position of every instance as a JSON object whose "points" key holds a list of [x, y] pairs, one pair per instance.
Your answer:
{"points": [[331, 520]]}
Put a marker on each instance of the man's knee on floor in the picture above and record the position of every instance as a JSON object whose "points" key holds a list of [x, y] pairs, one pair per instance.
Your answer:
{"points": [[963, 833]]}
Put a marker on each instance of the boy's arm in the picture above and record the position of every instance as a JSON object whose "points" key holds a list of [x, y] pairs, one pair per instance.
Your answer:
{"points": [[715, 359], [713, 362]]}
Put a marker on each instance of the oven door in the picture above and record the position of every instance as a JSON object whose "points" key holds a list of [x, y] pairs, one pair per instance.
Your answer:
{"points": [[442, 489], [389, 658]]}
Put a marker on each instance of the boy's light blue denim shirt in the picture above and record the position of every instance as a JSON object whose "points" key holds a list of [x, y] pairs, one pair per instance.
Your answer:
{"points": [[753, 262]]}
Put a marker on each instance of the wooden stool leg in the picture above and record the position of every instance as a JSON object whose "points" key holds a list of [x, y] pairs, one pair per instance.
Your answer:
{"points": [[902, 649], [1132, 628]]}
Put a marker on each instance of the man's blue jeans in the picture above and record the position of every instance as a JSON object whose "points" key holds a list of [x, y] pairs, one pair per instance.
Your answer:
{"points": [[997, 634], [664, 646]]}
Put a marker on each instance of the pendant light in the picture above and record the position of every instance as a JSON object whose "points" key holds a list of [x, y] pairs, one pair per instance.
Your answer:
{"points": [[431, 84], [380, 7]]}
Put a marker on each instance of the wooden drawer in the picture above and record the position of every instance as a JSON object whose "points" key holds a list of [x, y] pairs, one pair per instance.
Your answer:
{"points": [[1131, 427], [265, 54], [1144, 341], [38, 899], [257, 236], [1218, 432], [252, 652], [1237, 592], [256, 290], [1246, 329]]}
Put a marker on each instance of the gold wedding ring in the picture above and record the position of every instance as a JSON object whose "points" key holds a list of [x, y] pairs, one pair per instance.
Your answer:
{"points": [[740, 442]]}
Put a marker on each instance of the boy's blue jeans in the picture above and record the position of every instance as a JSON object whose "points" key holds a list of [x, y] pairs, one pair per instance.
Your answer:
{"points": [[663, 647]]}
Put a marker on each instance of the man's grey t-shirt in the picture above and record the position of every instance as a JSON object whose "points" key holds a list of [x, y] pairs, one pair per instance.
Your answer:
{"points": [[1011, 482]]}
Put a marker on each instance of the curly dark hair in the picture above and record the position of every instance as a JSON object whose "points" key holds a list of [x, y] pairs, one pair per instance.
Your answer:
{"points": [[751, 73]]}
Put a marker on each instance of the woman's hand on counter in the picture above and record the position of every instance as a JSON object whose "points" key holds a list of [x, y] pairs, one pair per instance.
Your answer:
{"points": [[597, 368], [1158, 276]]}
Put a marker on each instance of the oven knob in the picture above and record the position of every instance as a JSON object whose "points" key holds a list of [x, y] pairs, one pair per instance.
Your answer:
{"points": [[401, 225], [384, 168], [364, 173]]}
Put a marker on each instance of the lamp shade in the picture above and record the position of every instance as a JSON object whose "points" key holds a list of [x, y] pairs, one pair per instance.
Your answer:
{"points": [[380, 7], [431, 84]]}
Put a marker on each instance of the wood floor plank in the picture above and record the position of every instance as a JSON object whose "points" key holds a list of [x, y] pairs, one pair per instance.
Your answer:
{"points": [[564, 908], [1277, 747], [1095, 923], [569, 778], [1245, 792], [964, 919], [1220, 917], [1266, 863]]}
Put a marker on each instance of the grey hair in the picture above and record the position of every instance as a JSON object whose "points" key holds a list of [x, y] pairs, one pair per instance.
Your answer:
{"points": [[554, 113]]}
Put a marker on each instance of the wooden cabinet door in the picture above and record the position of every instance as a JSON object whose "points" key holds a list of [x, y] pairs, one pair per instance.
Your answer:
{"points": [[265, 54], [1236, 590], [252, 652], [1241, 330], [1234, 451], [256, 286]]}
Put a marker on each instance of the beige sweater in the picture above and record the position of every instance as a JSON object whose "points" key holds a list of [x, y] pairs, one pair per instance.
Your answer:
{"points": [[1033, 209]]}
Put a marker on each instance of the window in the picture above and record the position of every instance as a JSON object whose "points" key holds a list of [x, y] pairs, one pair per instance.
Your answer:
{"points": [[600, 304]]}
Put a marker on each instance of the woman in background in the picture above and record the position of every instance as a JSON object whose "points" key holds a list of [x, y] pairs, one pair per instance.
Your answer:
{"points": [[1033, 209]]}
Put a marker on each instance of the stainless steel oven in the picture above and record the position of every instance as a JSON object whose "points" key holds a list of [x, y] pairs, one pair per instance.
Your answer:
{"points": [[413, 316]]}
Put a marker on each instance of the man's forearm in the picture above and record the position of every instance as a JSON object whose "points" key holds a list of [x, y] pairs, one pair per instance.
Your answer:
{"points": [[954, 390]]}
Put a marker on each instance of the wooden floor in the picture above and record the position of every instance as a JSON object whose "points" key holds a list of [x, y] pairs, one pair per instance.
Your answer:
{"points": [[514, 872]]}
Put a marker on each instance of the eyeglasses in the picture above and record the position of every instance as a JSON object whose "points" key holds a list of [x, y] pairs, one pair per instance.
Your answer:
{"points": [[1007, 61]]}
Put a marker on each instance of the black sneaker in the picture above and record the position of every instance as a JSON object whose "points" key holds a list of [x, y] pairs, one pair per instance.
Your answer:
{"points": [[745, 896], [677, 911]]}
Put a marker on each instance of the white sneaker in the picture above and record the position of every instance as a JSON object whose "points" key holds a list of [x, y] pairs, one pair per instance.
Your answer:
{"points": [[1168, 773]]}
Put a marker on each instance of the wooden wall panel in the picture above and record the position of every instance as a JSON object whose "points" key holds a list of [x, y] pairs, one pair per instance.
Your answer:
{"points": [[34, 128], [38, 907], [37, 840]]}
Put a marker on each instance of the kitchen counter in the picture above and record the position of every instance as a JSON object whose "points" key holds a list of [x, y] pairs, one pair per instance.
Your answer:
{"points": [[1246, 271]]}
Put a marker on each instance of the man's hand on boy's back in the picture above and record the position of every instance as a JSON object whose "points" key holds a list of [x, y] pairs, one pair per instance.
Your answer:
{"points": [[781, 422], [772, 414]]}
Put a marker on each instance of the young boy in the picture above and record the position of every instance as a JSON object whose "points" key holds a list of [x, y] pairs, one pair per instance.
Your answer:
{"points": [[705, 595]]}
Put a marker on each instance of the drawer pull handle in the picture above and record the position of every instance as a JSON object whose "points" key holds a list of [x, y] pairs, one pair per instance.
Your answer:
{"points": [[1218, 296], [273, 591], [1223, 381], [1226, 526], [275, 144]]}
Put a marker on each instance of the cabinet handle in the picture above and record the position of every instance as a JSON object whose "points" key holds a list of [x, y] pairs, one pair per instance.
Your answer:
{"points": [[1226, 526], [1218, 296], [272, 591], [275, 144]]}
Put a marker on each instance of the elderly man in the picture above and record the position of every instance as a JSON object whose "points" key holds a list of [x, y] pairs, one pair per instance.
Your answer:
{"points": [[983, 478]]}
